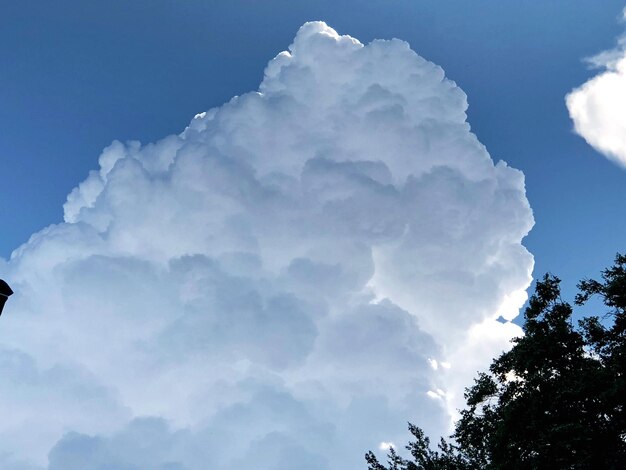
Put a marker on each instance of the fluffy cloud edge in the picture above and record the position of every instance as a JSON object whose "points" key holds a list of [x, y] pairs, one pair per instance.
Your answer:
{"points": [[597, 107]]}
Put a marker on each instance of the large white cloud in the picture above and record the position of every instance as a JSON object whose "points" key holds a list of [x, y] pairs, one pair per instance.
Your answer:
{"points": [[283, 285], [598, 107]]}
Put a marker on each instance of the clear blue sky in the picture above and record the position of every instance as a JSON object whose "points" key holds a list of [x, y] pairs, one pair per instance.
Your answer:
{"points": [[75, 75]]}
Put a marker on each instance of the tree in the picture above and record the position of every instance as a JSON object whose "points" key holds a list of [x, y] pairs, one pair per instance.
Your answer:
{"points": [[555, 400], [447, 457]]}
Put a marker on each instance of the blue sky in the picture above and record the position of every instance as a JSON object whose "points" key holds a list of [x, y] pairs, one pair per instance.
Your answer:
{"points": [[300, 270]]}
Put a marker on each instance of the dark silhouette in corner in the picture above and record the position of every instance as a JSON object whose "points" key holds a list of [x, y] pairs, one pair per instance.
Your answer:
{"points": [[5, 292]]}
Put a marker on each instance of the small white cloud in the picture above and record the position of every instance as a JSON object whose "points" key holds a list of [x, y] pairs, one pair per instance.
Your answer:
{"points": [[386, 446], [437, 394], [598, 107]]}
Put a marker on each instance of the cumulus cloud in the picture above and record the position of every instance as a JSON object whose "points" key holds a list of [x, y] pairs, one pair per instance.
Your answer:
{"points": [[272, 287], [598, 107]]}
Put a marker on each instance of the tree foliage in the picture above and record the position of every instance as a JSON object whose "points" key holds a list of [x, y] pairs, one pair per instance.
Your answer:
{"points": [[555, 400]]}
